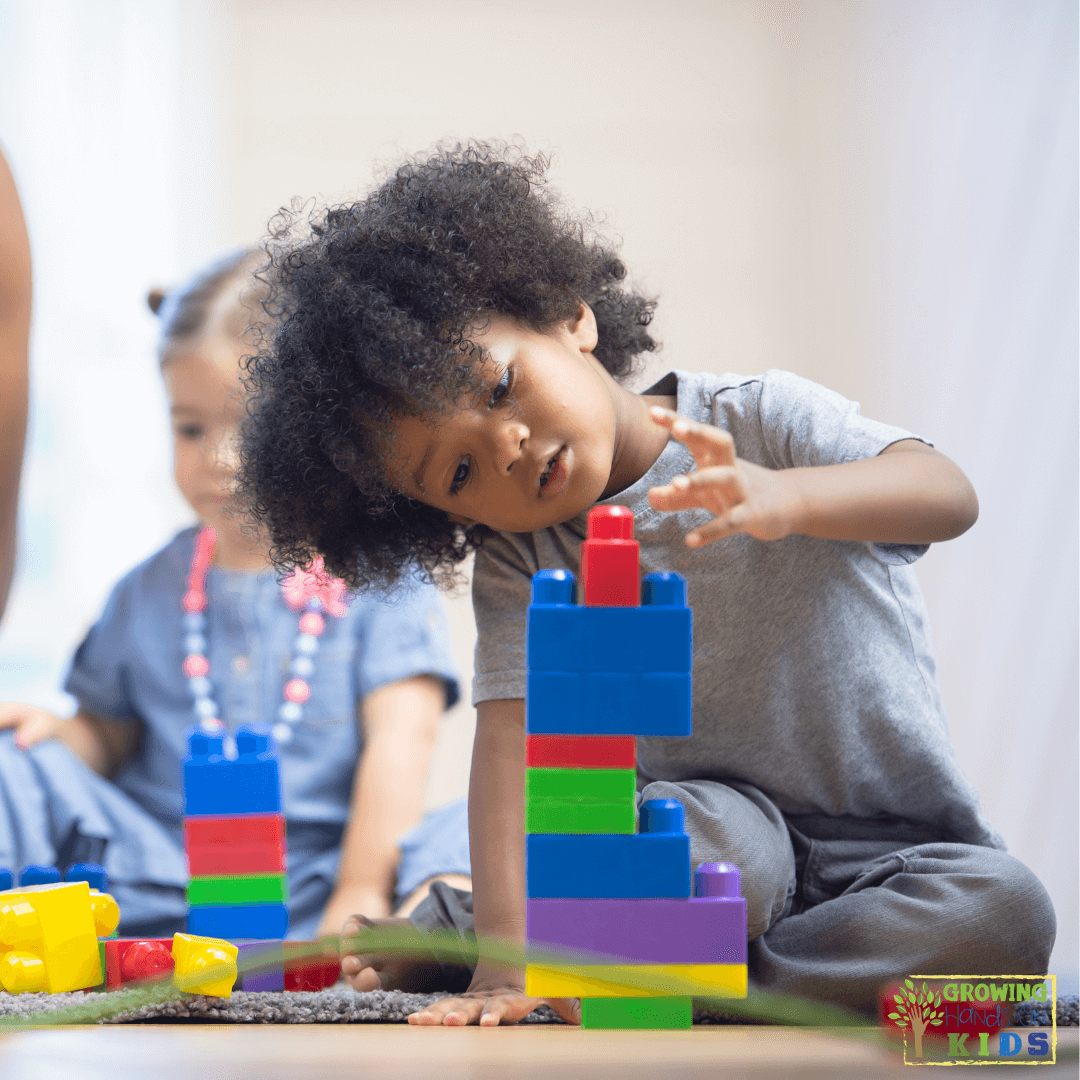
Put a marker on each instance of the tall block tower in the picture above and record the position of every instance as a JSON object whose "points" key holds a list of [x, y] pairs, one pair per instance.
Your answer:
{"points": [[605, 881], [234, 836]]}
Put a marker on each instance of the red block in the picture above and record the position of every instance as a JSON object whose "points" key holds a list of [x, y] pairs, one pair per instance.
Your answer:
{"points": [[313, 972], [201, 832], [128, 959], [236, 859], [610, 562], [581, 751]]}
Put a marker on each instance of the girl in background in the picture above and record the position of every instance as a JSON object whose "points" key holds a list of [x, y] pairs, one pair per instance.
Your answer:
{"points": [[204, 632]]}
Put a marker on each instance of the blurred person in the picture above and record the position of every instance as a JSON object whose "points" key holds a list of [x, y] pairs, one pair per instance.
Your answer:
{"points": [[204, 632], [15, 296]]}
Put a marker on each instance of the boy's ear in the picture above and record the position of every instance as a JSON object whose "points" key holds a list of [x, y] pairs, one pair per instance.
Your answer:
{"points": [[582, 328]]}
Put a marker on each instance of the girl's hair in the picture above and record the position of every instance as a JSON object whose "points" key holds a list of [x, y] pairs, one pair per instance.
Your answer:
{"points": [[185, 310], [373, 304]]}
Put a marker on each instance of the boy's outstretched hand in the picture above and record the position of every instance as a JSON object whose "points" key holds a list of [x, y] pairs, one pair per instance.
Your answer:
{"points": [[492, 1005], [745, 498]]}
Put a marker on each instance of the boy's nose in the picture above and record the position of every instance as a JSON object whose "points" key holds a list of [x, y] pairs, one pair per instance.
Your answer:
{"points": [[510, 445]]}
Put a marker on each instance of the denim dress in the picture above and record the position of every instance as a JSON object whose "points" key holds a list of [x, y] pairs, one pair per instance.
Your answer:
{"points": [[129, 668]]}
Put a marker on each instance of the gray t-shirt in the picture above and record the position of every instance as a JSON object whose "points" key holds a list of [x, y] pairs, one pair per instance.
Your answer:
{"points": [[814, 674]]}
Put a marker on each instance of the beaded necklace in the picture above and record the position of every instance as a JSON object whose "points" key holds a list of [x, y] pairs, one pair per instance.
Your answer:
{"points": [[308, 591]]}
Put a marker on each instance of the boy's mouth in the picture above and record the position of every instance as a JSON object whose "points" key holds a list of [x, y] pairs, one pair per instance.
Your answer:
{"points": [[553, 478]]}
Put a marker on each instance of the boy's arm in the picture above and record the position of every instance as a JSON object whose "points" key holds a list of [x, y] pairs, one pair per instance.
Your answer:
{"points": [[401, 723], [497, 843], [909, 494]]}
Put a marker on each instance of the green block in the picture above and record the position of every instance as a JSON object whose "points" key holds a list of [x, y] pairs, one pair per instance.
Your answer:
{"points": [[600, 785], [101, 986], [239, 889], [645, 1012], [579, 816]]}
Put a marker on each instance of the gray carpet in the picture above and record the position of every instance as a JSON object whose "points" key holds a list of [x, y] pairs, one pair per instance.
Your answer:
{"points": [[339, 1005]]}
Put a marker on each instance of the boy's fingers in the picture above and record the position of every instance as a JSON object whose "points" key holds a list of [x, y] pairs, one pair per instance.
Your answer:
{"points": [[715, 488], [709, 445], [719, 528], [568, 1009], [452, 1012]]}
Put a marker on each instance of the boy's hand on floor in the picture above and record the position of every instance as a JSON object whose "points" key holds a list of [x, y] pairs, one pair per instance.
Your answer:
{"points": [[491, 1002], [746, 498], [31, 725]]}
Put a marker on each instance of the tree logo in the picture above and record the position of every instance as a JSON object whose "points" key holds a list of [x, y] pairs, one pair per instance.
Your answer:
{"points": [[919, 1008]]}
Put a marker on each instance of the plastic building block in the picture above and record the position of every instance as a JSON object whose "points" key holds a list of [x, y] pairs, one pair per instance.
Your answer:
{"points": [[624, 980], [261, 966], [610, 558], [38, 875], [581, 751], [48, 939], [628, 641], [237, 829], [605, 785], [717, 879], [641, 865], [709, 930], [237, 889], [594, 703], [215, 785], [147, 963], [239, 921], [105, 912], [579, 816], [217, 859], [6, 879], [204, 965], [667, 1013], [92, 873], [312, 972]]}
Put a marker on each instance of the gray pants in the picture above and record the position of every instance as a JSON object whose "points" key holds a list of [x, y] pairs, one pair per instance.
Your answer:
{"points": [[839, 907]]}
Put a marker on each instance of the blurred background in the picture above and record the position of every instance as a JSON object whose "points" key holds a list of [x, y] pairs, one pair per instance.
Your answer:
{"points": [[878, 194]]}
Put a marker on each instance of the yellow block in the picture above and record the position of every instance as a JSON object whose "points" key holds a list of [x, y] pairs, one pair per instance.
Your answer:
{"points": [[106, 913], [204, 965], [53, 924], [636, 980]]}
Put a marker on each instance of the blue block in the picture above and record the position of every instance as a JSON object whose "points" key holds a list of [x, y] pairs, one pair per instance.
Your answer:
{"points": [[631, 866], [7, 879], [93, 873], [628, 640], [215, 786], [593, 703], [39, 875], [239, 921]]}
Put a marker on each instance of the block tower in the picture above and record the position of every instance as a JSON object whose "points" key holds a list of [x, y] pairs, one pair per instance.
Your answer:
{"points": [[603, 881], [234, 836]]}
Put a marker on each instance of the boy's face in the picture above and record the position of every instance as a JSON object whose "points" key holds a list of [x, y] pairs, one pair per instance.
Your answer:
{"points": [[535, 450], [202, 379]]}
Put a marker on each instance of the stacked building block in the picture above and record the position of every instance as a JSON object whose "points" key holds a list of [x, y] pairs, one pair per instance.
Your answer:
{"points": [[607, 884], [234, 836]]}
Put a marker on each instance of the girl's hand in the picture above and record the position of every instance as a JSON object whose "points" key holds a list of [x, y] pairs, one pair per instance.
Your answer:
{"points": [[346, 901], [31, 725], [745, 498]]}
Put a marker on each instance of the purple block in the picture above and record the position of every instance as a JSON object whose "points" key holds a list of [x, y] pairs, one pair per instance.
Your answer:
{"points": [[261, 966], [698, 930]]}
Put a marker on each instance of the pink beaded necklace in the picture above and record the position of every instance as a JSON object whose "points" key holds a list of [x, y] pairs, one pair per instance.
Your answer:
{"points": [[309, 592]]}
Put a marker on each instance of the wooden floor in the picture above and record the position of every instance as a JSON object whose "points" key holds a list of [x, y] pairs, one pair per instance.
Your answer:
{"points": [[382, 1052]]}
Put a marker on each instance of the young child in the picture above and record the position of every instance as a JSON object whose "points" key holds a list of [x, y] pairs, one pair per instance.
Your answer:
{"points": [[462, 342], [354, 754]]}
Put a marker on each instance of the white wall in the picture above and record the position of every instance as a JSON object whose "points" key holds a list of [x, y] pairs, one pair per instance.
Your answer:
{"points": [[879, 194]]}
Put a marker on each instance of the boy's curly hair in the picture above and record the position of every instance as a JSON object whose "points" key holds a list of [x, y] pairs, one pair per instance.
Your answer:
{"points": [[373, 302]]}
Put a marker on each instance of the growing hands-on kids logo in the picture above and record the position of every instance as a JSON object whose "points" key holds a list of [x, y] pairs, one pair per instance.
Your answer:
{"points": [[969, 1019]]}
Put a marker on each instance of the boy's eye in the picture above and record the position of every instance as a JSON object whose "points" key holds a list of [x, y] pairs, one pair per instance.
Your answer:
{"points": [[461, 474], [502, 387], [189, 431]]}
